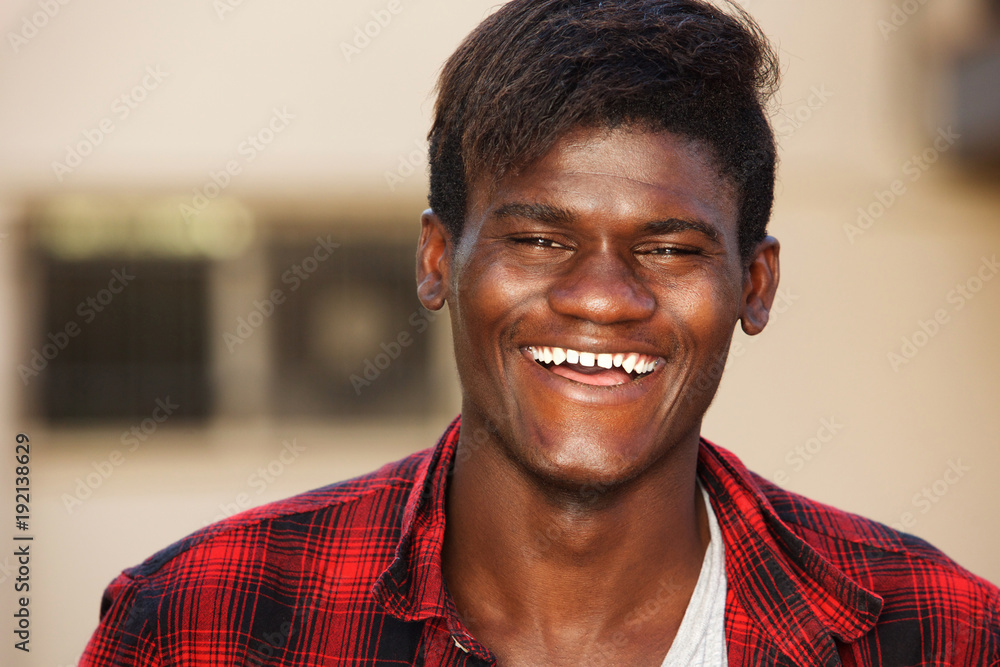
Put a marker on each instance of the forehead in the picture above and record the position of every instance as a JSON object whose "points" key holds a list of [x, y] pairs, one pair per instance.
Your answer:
{"points": [[623, 173]]}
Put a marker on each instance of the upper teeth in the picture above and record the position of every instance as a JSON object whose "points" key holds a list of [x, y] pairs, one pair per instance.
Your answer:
{"points": [[629, 361]]}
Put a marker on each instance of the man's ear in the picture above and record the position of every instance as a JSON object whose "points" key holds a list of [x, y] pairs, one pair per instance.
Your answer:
{"points": [[760, 284], [433, 261]]}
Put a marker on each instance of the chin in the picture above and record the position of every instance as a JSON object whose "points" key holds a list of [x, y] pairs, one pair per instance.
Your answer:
{"points": [[584, 461]]}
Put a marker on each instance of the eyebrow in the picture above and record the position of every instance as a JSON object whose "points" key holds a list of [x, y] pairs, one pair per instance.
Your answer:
{"points": [[534, 211], [559, 216], [674, 225]]}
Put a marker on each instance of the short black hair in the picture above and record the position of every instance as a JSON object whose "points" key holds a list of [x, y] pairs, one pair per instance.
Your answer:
{"points": [[536, 69]]}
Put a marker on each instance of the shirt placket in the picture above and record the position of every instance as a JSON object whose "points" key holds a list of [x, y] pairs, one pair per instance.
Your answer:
{"points": [[458, 649]]}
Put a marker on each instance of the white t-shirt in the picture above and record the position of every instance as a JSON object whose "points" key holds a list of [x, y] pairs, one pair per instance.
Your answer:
{"points": [[701, 639]]}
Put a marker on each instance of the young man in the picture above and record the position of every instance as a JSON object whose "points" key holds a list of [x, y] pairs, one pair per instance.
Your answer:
{"points": [[601, 179]]}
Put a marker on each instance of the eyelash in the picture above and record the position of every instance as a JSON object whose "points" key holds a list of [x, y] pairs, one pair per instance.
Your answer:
{"points": [[543, 242], [671, 251], [540, 242]]}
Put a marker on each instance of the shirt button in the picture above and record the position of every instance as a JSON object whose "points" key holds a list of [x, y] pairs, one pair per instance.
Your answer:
{"points": [[459, 644]]}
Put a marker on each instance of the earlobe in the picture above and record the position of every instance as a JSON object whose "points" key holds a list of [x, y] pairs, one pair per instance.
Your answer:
{"points": [[760, 284], [433, 261]]}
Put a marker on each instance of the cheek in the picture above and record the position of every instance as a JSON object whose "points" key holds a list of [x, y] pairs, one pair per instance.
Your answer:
{"points": [[705, 314], [492, 297], [485, 312]]}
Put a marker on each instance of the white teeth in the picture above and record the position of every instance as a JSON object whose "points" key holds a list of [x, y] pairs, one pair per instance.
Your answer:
{"points": [[628, 363]]}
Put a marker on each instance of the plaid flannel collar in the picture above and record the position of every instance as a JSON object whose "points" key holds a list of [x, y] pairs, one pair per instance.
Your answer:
{"points": [[787, 590]]}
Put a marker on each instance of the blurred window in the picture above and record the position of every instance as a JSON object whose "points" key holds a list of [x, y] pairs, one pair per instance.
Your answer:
{"points": [[352, 339], [141, 328]]}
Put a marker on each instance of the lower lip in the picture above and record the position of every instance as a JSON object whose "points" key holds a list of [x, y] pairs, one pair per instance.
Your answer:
{"points": [[592, 393]]}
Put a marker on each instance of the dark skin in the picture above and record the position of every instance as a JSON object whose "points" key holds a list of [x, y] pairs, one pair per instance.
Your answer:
{"points": [[575, 529]]}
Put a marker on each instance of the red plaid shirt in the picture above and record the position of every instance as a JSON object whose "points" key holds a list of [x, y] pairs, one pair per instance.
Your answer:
{"points": [[351, 575]]}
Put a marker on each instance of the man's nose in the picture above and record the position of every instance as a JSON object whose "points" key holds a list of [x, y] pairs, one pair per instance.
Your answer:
{"points": [[602, 287]]}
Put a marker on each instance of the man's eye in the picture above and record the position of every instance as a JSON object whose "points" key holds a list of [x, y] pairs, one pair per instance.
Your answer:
{"points": [[538, 242], [670, 250]]}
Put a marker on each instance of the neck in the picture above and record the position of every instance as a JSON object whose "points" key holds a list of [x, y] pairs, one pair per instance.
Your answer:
{"points": [[532, 557]]}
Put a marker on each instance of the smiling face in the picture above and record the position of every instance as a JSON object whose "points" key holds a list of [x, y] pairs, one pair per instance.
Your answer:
{"points": [[593, 299]]}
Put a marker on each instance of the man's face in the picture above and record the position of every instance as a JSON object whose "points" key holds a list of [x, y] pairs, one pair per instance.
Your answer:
{"points": [[617, 248]]}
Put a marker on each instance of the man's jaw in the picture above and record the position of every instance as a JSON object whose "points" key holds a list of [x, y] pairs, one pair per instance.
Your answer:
{"points": [[595, 368]]}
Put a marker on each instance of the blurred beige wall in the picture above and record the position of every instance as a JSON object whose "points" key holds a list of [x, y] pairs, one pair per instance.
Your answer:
{"points": [[813, 402]]}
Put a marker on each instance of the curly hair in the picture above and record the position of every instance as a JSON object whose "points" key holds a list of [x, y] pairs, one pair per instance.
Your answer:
{"points": [[535, 69]]}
